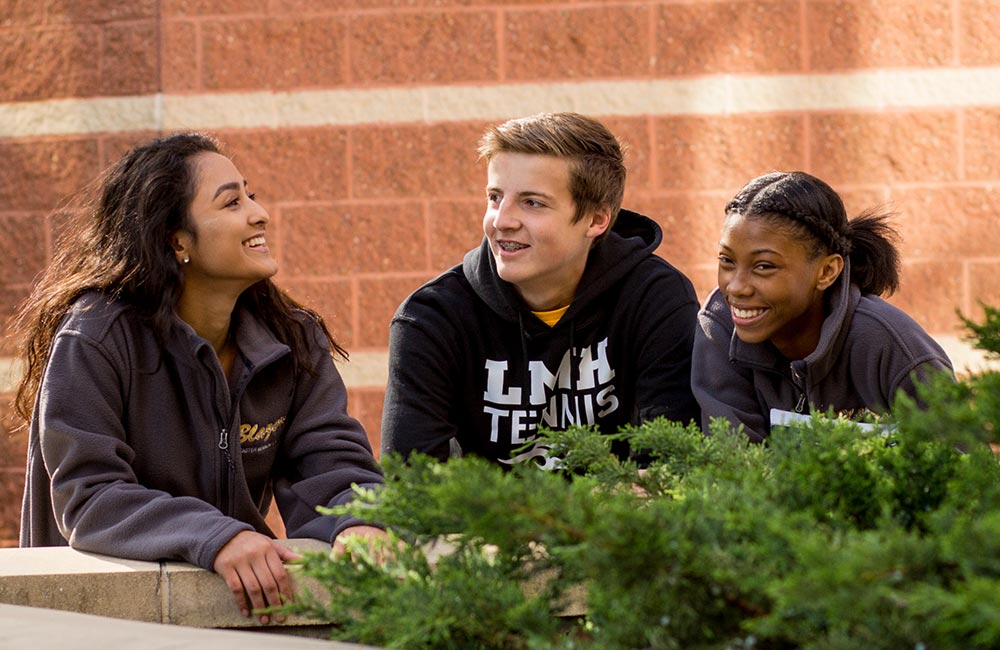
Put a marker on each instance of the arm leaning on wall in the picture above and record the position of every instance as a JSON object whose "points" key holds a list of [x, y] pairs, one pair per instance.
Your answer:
{"points": [[98, 503]]}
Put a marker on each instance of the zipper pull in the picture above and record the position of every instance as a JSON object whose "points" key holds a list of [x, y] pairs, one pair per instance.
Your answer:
{"points": [[223, 440], [801, 403]]}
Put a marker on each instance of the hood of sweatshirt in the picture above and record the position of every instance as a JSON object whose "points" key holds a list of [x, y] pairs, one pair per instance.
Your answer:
{"points": [[632, 239]]}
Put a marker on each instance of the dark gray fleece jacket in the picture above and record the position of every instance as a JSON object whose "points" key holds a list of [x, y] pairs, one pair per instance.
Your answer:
{"points": [[868, 350], [142, 452]]}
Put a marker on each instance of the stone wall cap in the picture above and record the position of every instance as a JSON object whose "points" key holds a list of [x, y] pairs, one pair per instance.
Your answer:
{"points": [[63, 560]]}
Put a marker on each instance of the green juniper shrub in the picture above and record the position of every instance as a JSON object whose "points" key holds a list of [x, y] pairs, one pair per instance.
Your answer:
{"points": [[828, 537], [985, 335], [964, 413], [406, 603], [830, 469]]}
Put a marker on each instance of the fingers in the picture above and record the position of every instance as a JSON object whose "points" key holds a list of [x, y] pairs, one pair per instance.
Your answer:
{"points": [[286, 554], [262, 586], [282, 585], [370, 534], [252, 566], [235, 584]]}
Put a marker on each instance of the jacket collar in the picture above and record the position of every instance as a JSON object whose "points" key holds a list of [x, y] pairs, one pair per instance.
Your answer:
{"points": [[844, 298], [256, 343]]}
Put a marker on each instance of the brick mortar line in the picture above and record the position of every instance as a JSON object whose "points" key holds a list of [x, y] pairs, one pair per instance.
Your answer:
{"points": [[705, 95], [370, 369]]}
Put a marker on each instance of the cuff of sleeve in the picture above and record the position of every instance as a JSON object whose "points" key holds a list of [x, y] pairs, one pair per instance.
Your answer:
{"points": [[205, 555], [347, 521]]}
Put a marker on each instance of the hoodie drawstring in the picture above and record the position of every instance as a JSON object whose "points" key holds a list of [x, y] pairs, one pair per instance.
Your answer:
{"points": [[572, 347], [524, 338]]}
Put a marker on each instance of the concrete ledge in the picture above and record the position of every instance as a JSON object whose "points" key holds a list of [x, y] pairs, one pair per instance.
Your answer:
{"points": [[46, 629], [60, 578], [64, 579]]}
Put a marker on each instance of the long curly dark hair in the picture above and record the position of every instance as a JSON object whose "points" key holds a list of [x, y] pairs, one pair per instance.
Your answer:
{"points": [[121, 247]]}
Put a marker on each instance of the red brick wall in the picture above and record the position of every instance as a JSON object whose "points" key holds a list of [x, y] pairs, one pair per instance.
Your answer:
{"points": [[366, 210]]}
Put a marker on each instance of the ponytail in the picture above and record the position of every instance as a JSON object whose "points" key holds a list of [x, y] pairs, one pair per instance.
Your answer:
{"points": [[874, 255]]}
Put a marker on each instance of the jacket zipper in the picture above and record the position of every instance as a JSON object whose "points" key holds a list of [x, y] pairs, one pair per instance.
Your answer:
{"points": [[227, 473], [800, 404], [227, 468], [796, 378]]}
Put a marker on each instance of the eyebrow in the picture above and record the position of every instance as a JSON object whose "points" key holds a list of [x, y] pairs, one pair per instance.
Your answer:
{"points": [[756, 251], [526, 193], [228, 186]]}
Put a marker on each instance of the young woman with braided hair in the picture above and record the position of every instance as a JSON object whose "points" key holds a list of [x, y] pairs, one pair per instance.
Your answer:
{"points": [[797, 323]]}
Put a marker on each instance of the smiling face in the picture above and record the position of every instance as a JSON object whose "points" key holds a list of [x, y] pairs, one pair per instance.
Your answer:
{"points": [[529, 224], [774, 284], [226, 243]]}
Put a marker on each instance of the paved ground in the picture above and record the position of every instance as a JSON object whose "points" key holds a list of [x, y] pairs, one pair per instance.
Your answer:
{"points": [[32, 628]]}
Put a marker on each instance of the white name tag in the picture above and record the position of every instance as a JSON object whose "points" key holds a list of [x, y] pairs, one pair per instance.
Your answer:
{"points": [[780, 418]]}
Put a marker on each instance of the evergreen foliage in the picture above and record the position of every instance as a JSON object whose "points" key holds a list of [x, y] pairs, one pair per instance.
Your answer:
{"points": [[829, 537], [985, 335]]}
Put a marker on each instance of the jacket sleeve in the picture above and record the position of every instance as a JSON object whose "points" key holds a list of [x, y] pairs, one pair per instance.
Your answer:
{"points": [[97, 502], [722, 389], [418, 414], [890, 352], [664, 338], [326, 453], [919, 373]]}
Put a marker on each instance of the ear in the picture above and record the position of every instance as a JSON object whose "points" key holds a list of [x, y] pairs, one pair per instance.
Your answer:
{"points": [[600, 219], [829, 270], [180, 241]]}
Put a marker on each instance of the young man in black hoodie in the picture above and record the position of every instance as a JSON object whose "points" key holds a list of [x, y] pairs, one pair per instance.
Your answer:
{"points": [[562, 316]]}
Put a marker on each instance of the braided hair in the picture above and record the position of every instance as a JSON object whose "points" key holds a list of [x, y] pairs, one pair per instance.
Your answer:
{"points": [[812, 209]]}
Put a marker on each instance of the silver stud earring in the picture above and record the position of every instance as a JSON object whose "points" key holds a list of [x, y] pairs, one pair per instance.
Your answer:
{"points": [[187, 259]]}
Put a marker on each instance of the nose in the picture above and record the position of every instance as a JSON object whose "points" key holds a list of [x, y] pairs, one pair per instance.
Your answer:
{"points": [[735, 283], [504, 217], [259, 216]]}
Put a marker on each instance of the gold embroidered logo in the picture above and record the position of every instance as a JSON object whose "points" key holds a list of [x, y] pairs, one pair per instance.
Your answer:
{"points": [[251, 433]]}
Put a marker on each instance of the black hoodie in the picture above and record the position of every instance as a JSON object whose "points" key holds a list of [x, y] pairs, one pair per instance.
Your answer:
{"points": [[469, 361]]}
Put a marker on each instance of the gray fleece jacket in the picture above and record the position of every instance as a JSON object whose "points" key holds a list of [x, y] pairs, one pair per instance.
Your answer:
{"points": [[142, 452], [868, 350]]}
